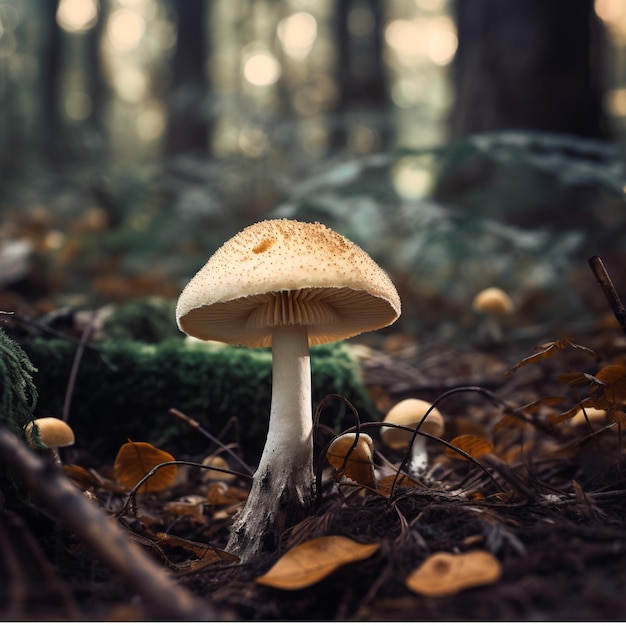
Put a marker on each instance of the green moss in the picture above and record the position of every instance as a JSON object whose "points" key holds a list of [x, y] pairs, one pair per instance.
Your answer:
{"points": [[148, 319], [124, 390]]}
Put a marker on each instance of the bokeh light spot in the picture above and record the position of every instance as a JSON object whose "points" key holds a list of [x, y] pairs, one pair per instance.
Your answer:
{"points": [[297, 34], [75, 16], [125, 29], [260, 67]]}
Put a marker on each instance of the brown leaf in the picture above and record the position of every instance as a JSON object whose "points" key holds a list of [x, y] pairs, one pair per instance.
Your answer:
{"points": [[508, 419], [80, 476], [547, 351], [474, 445], [566, 415], [535, 406], [613, 379], [88, 478], [314, 560], [573, 379], [135, 459], [197, 555], [404, 482], [444, 573]]}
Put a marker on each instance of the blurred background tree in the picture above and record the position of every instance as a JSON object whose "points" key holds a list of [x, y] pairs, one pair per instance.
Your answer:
{"points": [[530, 65], [460, 143], [188, 124]]}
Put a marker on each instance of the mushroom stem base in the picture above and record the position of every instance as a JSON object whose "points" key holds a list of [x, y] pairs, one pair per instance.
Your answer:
{"points": [[274, 504], [282, 488]]}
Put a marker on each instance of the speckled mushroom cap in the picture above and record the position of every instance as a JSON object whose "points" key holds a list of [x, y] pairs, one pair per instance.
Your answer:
{"points": [[287, 272]]}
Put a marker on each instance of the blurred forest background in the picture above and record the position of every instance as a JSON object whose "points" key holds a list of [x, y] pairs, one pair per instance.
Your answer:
{"points": [[462, 144]]}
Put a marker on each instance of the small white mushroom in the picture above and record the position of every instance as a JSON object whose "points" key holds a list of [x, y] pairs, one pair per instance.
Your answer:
{"points": [[288, 285], [494, 304], [219, 463], [49, 432], [409, 413], [353, 457]]}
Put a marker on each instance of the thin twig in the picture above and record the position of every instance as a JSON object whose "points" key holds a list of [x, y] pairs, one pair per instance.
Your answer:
{"points": [[78, 355], [610, 293], [195, 424]]}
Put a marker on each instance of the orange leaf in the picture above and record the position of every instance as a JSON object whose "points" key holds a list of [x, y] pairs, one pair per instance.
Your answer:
{"points": [[444, 573], [613, 378], [136, 459], [312, 561], [403, 482], [474, 445], [573, 379]]}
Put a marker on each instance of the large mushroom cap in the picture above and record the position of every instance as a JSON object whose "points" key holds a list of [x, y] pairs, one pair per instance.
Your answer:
{"points": [[285, 272]]}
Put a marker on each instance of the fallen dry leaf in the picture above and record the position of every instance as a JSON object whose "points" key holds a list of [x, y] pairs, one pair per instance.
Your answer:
{"points": [[88, 478], [136, 459], [444, 573], [198, 555], [385, 484], [613, 380], [475, 445], [312, 561]]}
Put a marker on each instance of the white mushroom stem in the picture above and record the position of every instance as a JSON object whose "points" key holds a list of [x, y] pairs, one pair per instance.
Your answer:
{"points": [[282, 486], [418, 459], [291, 417]]}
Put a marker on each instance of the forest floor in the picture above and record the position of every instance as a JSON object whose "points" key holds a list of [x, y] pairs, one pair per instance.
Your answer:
{"points": [[546, 498]]}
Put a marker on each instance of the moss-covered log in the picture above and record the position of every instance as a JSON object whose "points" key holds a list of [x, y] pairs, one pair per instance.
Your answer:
{"points": [[124, 390]]}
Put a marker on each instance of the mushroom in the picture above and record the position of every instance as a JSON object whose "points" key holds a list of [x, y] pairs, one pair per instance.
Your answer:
{"points": [[495, 304], [49, 432], [410, 413], [352, 456], [289, 285], [216, 464]]}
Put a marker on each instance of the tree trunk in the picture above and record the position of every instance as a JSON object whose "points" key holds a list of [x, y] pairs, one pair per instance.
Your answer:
{"points": [[188, 126], [50, 65], [528, 64], [360, 72]]}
